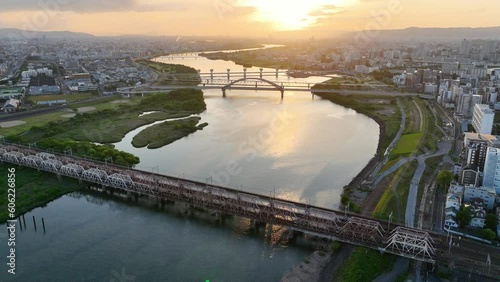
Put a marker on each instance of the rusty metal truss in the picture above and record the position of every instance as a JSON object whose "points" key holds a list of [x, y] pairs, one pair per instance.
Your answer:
{"points": [[321, 222]]}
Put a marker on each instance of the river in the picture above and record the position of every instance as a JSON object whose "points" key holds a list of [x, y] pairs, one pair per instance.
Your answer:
{"points": [[300, 148]]}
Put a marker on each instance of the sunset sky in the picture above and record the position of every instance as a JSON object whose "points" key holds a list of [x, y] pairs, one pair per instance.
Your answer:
{"points": [[241, 17]]}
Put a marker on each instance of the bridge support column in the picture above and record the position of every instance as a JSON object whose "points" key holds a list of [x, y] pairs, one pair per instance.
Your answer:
{"points": [[228, 74], [211, 74], [80, 181], [129, 195], [244, 73], [223, 92], [277, 72], [292, 235], [59, 177], [261, 69], [282, 94]]}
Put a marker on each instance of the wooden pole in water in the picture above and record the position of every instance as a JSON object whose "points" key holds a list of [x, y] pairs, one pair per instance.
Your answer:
{"points": [[34, 222]]}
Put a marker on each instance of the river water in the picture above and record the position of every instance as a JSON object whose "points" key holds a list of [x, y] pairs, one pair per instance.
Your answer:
{"points": [[299, 148]]}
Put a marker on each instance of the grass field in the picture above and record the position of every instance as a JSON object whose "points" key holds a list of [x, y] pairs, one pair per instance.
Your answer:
{"points": [[364, 265], [68, 97], [396, 202], [388, 165], [388, 203], [44, 119], [33, 189], [406, 145]]}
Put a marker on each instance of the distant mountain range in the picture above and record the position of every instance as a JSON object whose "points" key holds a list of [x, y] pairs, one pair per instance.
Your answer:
{"points": [[455, 33], [18, 33], [411, 33]]}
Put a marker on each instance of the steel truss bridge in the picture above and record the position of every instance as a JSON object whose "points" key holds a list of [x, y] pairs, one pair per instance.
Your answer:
{"points": [[336, 225], [246, 83]]}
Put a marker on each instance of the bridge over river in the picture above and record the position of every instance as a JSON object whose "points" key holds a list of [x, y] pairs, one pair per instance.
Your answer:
{"points": [[343, 226], [259, 83]]}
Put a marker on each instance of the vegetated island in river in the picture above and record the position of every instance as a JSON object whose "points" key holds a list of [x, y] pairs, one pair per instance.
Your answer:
{"points": [[110, 126], [162, 134]]}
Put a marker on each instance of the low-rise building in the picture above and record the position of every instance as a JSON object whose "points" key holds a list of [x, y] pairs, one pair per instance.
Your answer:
{"points": [[11, 105], [486, 194], [478, 211]]}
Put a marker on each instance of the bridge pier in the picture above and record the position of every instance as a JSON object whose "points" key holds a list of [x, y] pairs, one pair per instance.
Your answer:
{"points": [[261, 69], [292, 234], [219, 217], [282, 94], [211, 74], [59, 177], [223, 92]]}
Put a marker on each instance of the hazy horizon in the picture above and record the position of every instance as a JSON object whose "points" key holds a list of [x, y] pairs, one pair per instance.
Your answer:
{"points": [[240, 17]]}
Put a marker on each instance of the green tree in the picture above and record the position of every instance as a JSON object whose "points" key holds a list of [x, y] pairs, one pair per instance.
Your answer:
{"points": [[487, 234], [491, 221], [444, 178], [464, 216]]}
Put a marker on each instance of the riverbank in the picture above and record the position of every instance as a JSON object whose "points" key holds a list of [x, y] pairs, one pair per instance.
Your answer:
{"points": [[33, 189], [169, 74], [81, 132]]}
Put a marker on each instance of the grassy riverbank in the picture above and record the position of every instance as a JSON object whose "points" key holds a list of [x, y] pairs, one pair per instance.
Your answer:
{"points": [[111, 125], [33, 189], [170, 74], [364, 265]]}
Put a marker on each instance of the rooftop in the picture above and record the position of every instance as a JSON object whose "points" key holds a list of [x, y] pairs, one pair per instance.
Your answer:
{"points": [[485, 108]]}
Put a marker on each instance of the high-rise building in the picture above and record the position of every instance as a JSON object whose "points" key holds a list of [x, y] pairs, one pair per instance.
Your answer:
{"points": [[465, 47], [491, 177], [482, 119], [476, 146]]}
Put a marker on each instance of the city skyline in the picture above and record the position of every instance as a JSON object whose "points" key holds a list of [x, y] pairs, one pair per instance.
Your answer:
{"points": [[239, 17]]}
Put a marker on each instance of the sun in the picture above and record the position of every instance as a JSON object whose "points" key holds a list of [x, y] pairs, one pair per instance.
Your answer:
{"points": [[291, 15]]}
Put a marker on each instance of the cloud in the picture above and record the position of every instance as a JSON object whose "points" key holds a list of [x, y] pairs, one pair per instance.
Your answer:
{"points": [[93, 6], [324, 11]]}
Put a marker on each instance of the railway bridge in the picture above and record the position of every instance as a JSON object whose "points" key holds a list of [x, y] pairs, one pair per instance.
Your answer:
{"points": [[343, 226]]}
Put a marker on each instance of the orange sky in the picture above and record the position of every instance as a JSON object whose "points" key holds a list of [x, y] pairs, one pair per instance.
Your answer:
{"points": [[242, 17]]}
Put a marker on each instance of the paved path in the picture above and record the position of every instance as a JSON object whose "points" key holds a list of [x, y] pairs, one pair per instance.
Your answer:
{"points": [[444, 148]]}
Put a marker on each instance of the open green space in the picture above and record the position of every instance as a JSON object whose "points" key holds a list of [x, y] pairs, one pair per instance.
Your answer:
{"points": [[406, 145], [394, 200], [165, 133], [364, 265], [111, 124], [388, 165], [169, 74], [70, 98], [432, 132], [33, 189]]}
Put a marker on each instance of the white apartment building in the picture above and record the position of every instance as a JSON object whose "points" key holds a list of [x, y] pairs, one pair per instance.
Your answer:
{"points": [[482, 119], [491, 176]]}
